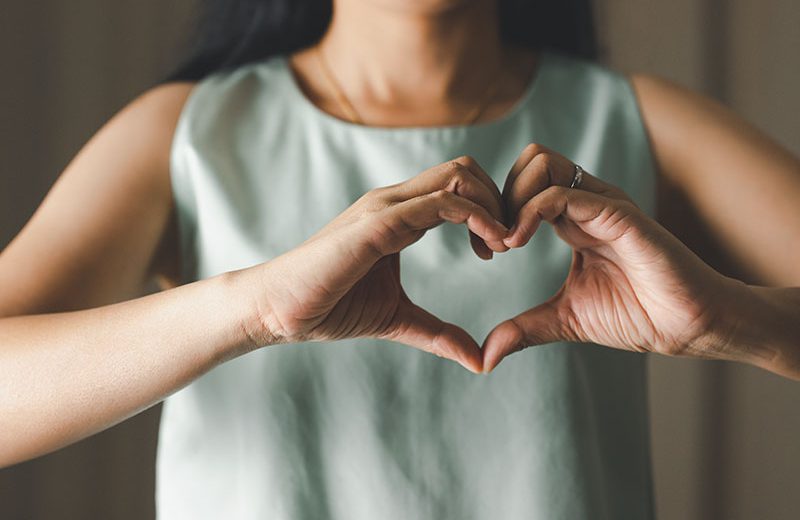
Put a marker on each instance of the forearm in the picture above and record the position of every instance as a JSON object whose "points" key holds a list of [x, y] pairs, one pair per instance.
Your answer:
{"points": [[66, 376], [763, 326]]}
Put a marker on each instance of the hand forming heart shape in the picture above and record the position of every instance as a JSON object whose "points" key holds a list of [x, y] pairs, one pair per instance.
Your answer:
{"points": [[632, 285]]}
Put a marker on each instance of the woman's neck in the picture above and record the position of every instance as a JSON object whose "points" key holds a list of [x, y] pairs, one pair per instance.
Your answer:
{"points": [[398, 64], [397, 54]]}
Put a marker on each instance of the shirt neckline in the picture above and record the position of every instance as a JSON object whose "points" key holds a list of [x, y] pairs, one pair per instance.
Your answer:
{"points": [[327, 119]]}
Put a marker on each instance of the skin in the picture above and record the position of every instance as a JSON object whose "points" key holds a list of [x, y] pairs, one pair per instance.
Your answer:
{"points": [[83, 349]]}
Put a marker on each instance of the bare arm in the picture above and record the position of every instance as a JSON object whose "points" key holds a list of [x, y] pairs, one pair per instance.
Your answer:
{"points": [[80, 350], [746, 188], [101, 233], [66, 376], [105, 224]]}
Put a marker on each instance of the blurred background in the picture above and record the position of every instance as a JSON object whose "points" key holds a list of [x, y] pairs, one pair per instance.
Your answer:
{"points": [[726, 438]]}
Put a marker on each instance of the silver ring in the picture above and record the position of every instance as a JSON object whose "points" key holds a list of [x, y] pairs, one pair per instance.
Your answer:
{"points": [[577, 178]]}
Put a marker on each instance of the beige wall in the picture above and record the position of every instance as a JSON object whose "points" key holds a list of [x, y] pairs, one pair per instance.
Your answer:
{"points": [[725, 437]]}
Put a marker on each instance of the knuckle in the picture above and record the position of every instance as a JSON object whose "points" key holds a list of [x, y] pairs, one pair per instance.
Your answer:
{"points": [[375, 199], [519, 334], [439, 196], [533, 149], [466, 160], [545, 162], [379, 242], [454, 166], [569, 324], [378, 193], [545, 159], [459, 178], [558, 191]]}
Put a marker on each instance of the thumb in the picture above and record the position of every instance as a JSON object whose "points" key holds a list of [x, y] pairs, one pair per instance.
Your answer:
{"points": [[419, 328], [536, 326]]}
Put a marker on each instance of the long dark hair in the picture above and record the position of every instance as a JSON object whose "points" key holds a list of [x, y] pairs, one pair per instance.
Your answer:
{"points": [[230, 33]]}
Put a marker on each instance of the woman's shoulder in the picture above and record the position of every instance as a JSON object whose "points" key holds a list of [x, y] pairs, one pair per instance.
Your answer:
{"points": [[158, 104], [151, 117]]}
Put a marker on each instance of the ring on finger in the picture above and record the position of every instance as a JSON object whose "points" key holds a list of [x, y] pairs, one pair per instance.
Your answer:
{"points": [[577, 178]]}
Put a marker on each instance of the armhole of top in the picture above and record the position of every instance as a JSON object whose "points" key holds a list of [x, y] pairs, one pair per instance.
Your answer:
{"points": [[186, 158], [182, 185]]}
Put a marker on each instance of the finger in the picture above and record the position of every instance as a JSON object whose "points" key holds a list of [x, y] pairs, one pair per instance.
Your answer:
{"points": [[595, 185], [525, 157], [404, 223], [561, 173], [599, 216], [537, 169], [483, 177], [461, 176], [479, 246], [537, 326], [544, 170], [498, 210], [421, 329]]}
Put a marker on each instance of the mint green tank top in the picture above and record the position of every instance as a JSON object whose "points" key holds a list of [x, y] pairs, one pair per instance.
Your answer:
{"points": [[365, 429]]}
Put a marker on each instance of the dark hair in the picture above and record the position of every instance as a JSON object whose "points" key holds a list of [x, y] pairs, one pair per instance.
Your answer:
{"points": [[235, 32]]}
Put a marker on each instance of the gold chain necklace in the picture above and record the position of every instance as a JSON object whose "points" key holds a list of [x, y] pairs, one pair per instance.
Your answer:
{"points": [[348, 108]]}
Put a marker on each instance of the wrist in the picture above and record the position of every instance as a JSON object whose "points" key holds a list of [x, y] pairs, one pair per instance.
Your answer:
{"points": [[759, 326], [248, 289]]}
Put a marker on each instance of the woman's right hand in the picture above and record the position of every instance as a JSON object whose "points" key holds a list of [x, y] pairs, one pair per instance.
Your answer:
{"points": [[344, 281]]}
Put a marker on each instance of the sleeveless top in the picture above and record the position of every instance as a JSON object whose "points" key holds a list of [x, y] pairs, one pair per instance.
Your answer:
{"points": [[369, 429]]}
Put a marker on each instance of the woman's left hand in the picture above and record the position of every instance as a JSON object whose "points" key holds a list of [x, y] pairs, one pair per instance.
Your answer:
{"points": [[632, 285]]}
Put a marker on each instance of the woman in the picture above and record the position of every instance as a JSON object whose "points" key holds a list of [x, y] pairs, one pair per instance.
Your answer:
{"points": [[272, 188]]}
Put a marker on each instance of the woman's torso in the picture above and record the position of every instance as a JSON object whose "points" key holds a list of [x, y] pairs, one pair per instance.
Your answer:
{"points": [[366, 429]]}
